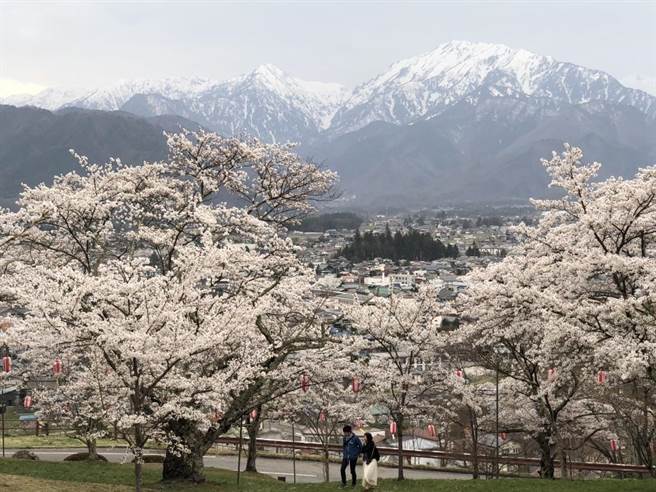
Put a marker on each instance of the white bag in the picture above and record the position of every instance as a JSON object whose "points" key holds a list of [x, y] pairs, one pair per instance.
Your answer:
{"points": [[370, 478]]}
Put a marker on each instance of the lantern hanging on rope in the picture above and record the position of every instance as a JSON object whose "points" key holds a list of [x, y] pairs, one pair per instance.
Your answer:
{"points": [[460, 374], [322, 416], [27, 402], [355, 385], [392, 428], [551, 374], [6, 363], [614, 445], [57, 367], [305, 383], [503, 436], [253, 414], [602, 377], [431, 430]]}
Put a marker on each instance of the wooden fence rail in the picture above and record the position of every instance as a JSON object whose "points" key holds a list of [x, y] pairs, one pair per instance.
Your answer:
{"points": [[447, 455]]}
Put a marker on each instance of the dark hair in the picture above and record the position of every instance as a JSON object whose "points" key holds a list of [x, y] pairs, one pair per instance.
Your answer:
{"points": [[347, 428], [368, 437]]}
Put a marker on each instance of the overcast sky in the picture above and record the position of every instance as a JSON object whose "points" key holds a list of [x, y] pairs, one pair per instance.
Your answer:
{"points": [[87, 44]]}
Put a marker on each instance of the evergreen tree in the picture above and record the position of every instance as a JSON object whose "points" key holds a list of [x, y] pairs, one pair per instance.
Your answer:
{"points": [[473, 250], [413, 245]]}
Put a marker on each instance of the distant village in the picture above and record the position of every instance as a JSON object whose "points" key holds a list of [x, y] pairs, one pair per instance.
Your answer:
{"points": [[478, 241]]}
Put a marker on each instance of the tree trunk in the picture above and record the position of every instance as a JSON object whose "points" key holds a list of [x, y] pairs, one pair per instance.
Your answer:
{"points": [[137, 450], [473, 428], [563, 463], [189, 465], [185, 466], [253, 429], [475, 473], [399, 436], [138, 475], [546, 455], [92, 449], [138, 463], [326, 465]]}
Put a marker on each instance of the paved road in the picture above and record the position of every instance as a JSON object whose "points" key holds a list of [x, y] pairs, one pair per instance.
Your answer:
{"points": [[306, 471]]}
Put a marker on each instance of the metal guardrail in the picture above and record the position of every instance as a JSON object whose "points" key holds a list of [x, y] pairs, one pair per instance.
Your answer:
{"points": [[447, 455]]}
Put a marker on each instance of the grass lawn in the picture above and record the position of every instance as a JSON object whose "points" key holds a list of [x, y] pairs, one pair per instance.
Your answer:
{"points": [[18, 475]]}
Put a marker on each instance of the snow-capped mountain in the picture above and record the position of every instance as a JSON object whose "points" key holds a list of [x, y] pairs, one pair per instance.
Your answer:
{"points": [[51, 98], [111, 97], [114, 96], [267, 103], [423, 86]]}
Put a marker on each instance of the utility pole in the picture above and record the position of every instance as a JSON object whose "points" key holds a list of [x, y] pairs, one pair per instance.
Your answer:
{"points": [[241, 433], [496, 422], [293, 450]]}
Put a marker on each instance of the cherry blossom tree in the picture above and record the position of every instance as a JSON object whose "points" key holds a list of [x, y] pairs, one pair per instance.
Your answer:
{"points": [[603, 231], [141, 325], [541, 363], [574, 298], [77, 400], [286, 334], [144, 268], [404, 346]]}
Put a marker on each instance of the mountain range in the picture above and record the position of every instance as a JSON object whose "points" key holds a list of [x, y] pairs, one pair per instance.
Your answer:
{"points": [[466, 121]]}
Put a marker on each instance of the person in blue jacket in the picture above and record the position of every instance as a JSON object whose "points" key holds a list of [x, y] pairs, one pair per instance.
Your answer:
{"points": [[351, 449]]}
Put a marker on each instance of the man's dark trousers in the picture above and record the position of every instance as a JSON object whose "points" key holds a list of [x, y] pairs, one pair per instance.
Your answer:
{"points": [[349, 463]]}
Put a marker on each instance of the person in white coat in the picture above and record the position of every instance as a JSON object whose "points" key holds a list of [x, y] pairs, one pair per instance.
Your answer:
{"points": [[371, 457]]}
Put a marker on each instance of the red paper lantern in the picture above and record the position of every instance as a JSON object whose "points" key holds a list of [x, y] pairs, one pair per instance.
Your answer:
{"points": [[614, 445], [392, 427], [57, 367], [305, 383], [460, 374], [602, 377], [355, 385], [6, 363], [504, 436], [551, 375], [253, 414], [431, 430], [27, 401], [322, 416]]}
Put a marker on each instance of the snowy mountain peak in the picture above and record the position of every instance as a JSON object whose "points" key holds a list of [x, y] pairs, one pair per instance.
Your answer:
{"points": [[269, 70], [315, 101], [423, 86], [273, 78]]}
